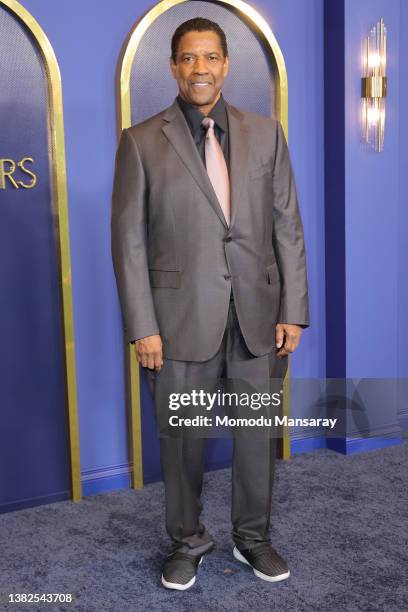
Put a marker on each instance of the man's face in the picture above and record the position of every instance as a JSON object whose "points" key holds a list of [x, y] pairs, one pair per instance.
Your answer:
{"points": [[200, 69]]}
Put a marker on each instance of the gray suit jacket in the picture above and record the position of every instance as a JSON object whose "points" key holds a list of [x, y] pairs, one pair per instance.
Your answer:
{"points": [[175, 259]]}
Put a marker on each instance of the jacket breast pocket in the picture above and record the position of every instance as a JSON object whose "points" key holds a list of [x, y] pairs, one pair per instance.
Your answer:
{"points": [[272, 274], [165, 278]]}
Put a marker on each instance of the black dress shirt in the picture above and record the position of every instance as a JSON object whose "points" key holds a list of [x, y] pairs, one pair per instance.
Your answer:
{"points": [[194, 118]]}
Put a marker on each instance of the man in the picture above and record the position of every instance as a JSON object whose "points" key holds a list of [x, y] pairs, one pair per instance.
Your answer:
{"points": [[208, 251]]}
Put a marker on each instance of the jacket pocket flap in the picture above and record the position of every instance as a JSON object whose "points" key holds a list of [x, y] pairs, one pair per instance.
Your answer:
{"points": [[272, 273], [165, 278]]}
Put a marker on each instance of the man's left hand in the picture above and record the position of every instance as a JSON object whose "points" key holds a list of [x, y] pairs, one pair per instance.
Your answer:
{"points": [[287, 337]]}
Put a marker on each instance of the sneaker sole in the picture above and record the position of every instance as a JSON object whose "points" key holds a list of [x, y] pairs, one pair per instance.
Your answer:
{"points": [[241, 558], [177, 585]]}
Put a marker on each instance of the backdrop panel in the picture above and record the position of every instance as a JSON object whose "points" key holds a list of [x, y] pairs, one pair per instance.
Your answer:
{"points": [[34, 454]]}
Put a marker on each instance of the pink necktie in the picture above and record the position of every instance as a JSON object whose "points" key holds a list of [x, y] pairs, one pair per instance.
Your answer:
{"points": [[217, 168]]}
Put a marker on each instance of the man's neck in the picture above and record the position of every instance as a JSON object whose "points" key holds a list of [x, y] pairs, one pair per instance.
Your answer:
{"points": [[205, 110]]}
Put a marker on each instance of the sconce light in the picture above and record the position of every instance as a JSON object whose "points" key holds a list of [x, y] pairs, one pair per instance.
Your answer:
{"points": [[374, 86]]}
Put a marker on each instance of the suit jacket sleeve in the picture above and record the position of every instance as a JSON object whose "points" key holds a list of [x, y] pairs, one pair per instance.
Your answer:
{"points": [[129, 241], [288, 238]]}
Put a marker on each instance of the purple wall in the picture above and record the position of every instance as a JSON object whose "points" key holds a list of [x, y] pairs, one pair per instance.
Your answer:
{"points": [[372, 246], [372, 192], [365, 206]]}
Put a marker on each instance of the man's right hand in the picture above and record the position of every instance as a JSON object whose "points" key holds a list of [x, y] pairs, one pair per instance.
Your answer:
{"points": [[149, 352]]}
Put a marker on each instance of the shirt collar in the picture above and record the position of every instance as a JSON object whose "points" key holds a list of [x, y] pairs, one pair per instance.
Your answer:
{"points": [[194, 117]]}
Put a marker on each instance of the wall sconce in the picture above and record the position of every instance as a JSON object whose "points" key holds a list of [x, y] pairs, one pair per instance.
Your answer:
{"points": [[374, 85]]}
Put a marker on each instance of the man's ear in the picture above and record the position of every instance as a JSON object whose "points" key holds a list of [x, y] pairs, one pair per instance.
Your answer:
{"points": [[173, 67], [226, 66]]}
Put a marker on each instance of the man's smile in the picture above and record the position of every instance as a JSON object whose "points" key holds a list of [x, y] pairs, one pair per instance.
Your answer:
{"points": [[200, 85]]}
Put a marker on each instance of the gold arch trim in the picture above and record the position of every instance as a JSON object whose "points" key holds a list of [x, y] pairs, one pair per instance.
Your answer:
{"points": [[123, 74], [60, 202]]}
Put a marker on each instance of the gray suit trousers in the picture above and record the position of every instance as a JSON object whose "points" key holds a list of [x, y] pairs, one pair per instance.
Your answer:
{"points": [[182, 458]]}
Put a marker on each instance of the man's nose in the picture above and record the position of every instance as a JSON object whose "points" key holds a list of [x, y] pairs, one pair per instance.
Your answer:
{"points": [[200, 65]]}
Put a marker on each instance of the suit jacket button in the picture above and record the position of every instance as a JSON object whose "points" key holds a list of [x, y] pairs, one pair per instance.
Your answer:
{"points": [[227, 239], [227, 276]]}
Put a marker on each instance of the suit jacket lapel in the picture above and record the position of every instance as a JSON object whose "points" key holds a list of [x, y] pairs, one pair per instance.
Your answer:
{"points": [[179, 135], [238, 151]]}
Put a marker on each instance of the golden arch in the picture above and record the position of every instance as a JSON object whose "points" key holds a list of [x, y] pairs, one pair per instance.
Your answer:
{"points": [[59, 189], [123, 74]]}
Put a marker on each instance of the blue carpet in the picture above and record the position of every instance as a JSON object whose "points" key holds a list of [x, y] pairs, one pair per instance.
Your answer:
{"points": [[340, 521]]}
